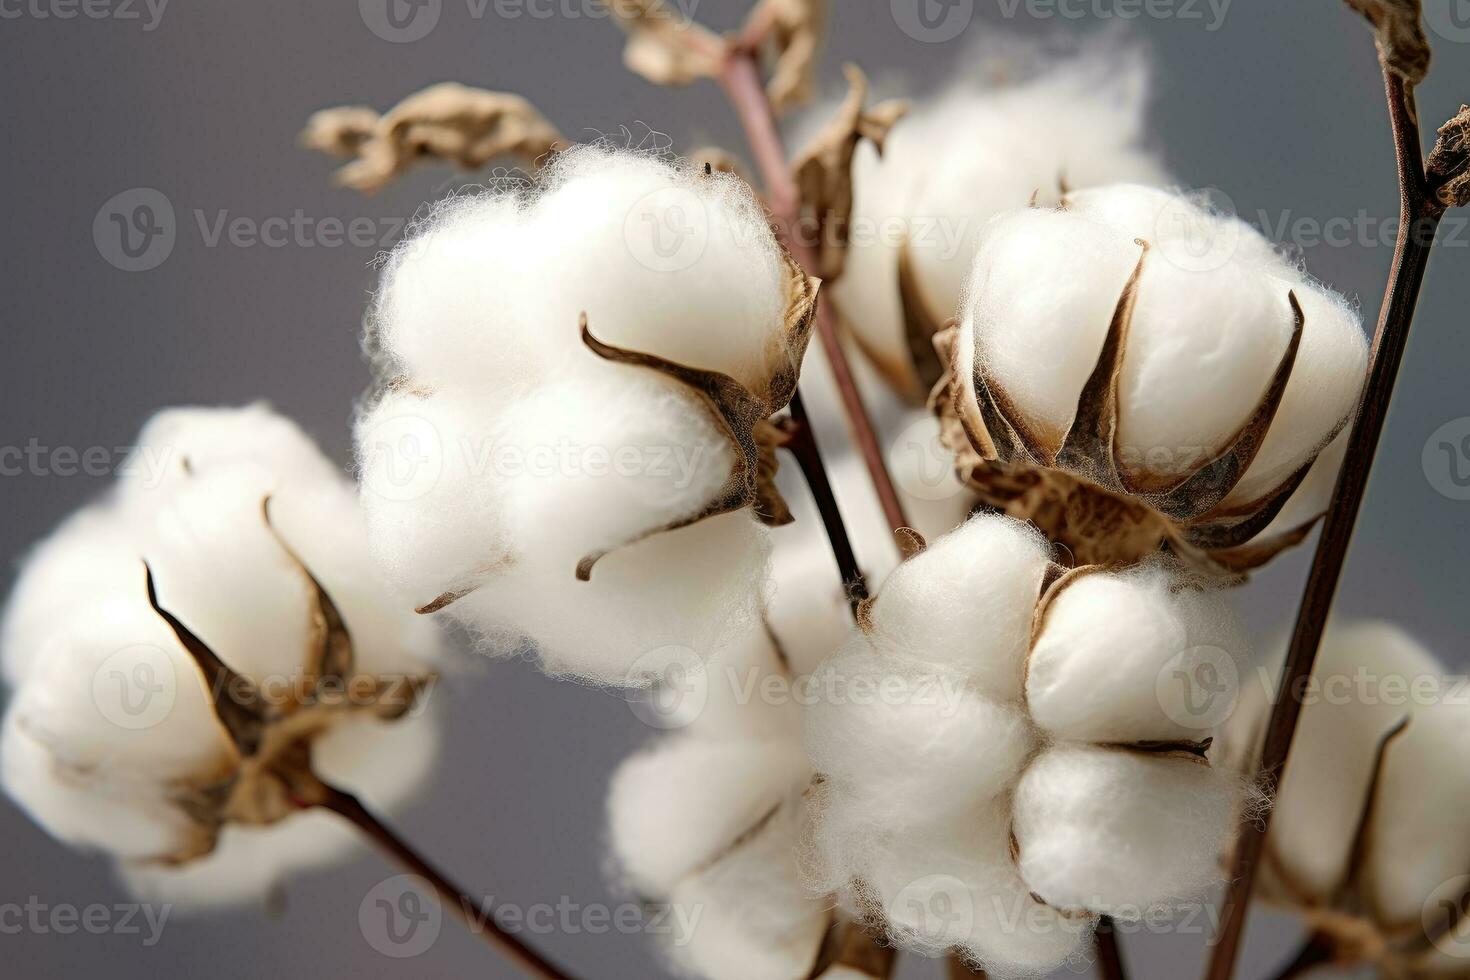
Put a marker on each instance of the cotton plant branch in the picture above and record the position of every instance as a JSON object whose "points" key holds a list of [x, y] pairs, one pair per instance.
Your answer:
{"points": [[452, 123], [1428, 188]]}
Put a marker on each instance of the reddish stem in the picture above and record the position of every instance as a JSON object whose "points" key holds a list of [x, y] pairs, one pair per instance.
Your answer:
{"points": [[1419, 219]]}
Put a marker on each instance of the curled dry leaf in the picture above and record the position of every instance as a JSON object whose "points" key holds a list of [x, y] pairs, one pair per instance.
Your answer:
{"points": [[824, 169], [794, 30], [448, 122], [271, 775], [742, 413], [1399, 27], [664, 46], [1082, 495], [1449, 164]]}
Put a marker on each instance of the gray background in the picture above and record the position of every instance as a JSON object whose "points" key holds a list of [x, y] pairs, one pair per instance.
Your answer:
{"points": [[1281, 107]]}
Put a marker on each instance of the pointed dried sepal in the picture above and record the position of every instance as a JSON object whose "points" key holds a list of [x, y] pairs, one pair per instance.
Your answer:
{"points": [[1093, 433], [853, 952], [236, 700], [1398, 26], [793, 29], [824, 169], [448, 122], [738, 412], [329, 653], [664, 46], [796, 333], [1448, 165], [921, 324]]}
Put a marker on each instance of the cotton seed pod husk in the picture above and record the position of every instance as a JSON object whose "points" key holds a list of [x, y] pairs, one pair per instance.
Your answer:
{"points": [[1079, 405]]}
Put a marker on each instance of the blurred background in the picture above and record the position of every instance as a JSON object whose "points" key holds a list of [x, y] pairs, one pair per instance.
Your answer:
{"points": [[1277, 104]]}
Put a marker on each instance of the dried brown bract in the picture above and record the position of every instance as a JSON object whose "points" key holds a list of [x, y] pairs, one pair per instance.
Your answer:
{"points": [[448, 122], [664, 46], [1449, 164], [824, 169], [271, 775], [742, 413], [793, 29], [1399, 26]]}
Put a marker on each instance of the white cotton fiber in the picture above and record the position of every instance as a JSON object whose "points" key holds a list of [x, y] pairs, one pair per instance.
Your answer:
{"points": [[1076, 123], [684, 801], [1120, 831], [964, 605], [1132, 658], [112, 721]]}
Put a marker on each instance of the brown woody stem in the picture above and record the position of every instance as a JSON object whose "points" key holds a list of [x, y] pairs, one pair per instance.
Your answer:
{"points": [[1109, 953], [802, 444], [1419, 220], [468, 910], [741, 82], [1316, 952]]}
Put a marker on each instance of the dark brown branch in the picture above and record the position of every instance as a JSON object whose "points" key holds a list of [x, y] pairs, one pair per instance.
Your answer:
{"points": [[1109, 953], [1419, 219], [475, 917], [802, 444], [1315, 952]]}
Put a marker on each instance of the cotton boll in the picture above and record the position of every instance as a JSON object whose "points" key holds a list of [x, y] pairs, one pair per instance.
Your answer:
{"points": [[913, 747], [747, 690], [1132, 658], [1118, 831], [1320, 801], [1037, 341], [1314, 495], [965, 604], [431, 492], [663, 259], [748, 917], [1076, 122], [807, 607], [689, 588], [683, 802]]}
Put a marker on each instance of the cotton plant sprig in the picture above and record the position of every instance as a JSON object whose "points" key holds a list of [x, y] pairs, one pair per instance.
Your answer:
{"points": [[1368, 840], [1027, 761], [207, 674], [1074, 399], [516, 324], [1075, 123], [1428, 188]]}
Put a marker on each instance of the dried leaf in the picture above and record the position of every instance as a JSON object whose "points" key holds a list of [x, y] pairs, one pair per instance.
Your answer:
{"points": [[853, 953], [794, 30], [1399, 26], [824, 169], [448, 122], [664, 46], [1449, 163]]}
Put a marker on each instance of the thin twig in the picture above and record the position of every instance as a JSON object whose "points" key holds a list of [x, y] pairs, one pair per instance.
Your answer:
{"points": [[1315, 952], [1109, 953], [350, 808], [1419, 220], [741, 82], [802, 444]]}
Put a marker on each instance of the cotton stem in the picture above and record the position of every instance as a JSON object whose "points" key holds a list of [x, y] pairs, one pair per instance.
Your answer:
{"points": [[1109, 953], [451, 896], [1420, 216], [802, 444]]}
